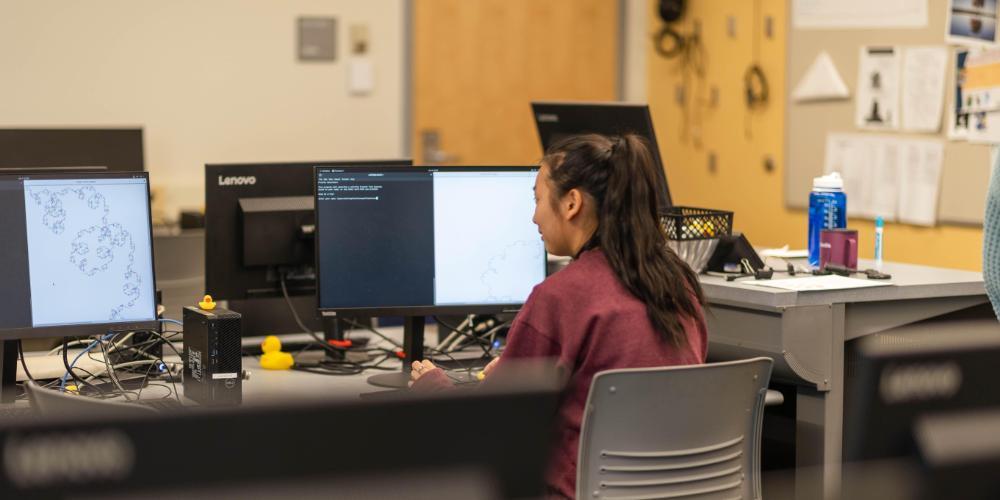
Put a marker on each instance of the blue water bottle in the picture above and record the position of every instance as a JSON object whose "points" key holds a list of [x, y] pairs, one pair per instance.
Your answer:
{"points": [[827, 210]]}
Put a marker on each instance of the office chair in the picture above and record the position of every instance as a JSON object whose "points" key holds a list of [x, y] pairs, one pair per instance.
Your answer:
{"points": [[48, 402], [674, 432]]}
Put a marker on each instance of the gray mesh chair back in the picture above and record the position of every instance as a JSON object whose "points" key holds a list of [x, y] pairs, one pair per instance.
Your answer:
{"points": [[686, 432]]}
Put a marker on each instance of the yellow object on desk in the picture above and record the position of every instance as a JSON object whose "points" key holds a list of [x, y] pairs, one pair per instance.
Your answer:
{"points": [[207, 304], [273, 358]]}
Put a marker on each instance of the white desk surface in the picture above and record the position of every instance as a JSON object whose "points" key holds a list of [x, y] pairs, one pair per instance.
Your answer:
{"points": [[909, 282], [266, 386]]}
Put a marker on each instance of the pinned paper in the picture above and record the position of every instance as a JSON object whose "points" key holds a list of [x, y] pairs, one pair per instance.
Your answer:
{"points": [[980, 96], [958, 126], [924, 70], [889, 176], [821, 82], [972, 23], [878, 89], [858, 14]]}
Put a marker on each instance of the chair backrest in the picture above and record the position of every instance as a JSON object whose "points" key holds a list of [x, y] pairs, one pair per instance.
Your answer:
{"points": [[49, 402], [674, 432]]}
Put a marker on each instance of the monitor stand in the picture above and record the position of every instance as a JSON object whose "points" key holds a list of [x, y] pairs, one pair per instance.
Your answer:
{"points": [[413, 348], [8, 371]]}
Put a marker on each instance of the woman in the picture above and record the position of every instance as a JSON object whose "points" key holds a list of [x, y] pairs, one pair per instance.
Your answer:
{"points": [[991, 239], [626, 300]]}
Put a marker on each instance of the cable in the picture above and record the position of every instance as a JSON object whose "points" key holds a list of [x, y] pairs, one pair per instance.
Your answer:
{"points": [[24, 365], [298, 320], [111, 372], [470, 335], [755, 83], [69, 366], [376, 332]]}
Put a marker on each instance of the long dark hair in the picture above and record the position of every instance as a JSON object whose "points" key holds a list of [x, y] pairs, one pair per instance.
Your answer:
{"points": [[619, 174]]}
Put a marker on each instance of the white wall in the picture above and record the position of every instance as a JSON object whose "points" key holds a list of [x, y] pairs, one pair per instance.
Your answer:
{"points": [[209, 80]]}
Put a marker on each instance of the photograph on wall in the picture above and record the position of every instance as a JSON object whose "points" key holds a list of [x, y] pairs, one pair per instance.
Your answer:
{"points": [[972, 22], [958, 128], [878, 89]]}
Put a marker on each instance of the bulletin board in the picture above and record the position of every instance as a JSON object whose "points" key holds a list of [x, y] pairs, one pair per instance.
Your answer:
{"points": [[966, 168]]}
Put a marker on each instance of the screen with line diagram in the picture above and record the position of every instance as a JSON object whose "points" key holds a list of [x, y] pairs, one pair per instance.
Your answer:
{"points": [[89, 257]]}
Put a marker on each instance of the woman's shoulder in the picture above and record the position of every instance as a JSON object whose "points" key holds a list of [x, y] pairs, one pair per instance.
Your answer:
{"points": [[579, 278]]}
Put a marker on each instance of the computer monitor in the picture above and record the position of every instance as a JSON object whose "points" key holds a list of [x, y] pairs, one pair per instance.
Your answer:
{"points": [[258, 228], [423, 240], [118, 149], [557, 120], [497, 445], [899, 378], [78, 254]]}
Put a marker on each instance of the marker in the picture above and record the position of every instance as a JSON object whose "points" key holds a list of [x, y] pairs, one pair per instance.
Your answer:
{"points": [[879, 228]]}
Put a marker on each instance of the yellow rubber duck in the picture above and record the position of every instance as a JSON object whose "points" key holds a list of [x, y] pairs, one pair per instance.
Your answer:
{"points": [[207, 304], [273, 358]]}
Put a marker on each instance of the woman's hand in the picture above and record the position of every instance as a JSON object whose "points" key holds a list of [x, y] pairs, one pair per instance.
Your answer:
{"points": [[489, 367], [421, 368]]}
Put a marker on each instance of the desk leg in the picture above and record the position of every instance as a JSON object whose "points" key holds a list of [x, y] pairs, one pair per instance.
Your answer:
{"points": [[819, 426]]}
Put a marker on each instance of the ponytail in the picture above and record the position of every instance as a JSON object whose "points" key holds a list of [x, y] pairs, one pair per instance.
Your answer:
{"points": [[620, 175]]}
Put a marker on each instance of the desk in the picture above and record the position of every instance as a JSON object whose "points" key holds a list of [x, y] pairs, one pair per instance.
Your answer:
{"points": [[806, 333]]}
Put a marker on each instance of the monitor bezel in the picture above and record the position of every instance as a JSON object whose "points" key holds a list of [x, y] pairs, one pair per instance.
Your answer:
{"points": [[581, 107], [411, 310], [98, 328]]}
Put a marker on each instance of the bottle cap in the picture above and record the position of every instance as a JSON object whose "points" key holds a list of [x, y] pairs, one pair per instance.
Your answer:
{"points": [[829, 181], [879, 222]]}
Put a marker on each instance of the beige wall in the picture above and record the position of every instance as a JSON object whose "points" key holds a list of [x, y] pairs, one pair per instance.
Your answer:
{"points": [[211, 81], [637, 38]]}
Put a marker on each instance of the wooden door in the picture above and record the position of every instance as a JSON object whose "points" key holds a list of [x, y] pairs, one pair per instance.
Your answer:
{"points": [[477, 65]]}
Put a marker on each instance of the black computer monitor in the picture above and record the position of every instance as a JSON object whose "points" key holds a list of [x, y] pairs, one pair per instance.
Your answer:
{"points": [[496, 446], [423, 240], [118, 149], [258, 229], [77, 252], [900, 377], [556, 120]]}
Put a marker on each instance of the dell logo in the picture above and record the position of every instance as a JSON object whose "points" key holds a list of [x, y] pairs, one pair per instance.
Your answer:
{"points": [[238, 180], [44, 460], [920, 382]]}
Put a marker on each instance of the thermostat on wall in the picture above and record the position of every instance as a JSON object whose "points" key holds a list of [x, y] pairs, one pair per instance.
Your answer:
{"points": [[317, 38]]}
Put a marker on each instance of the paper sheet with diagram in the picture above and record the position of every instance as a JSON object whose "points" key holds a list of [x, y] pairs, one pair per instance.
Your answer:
{"points": [[878, 89], [889, 176]]}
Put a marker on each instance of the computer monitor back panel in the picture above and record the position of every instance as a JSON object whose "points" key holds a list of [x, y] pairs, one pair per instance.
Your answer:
{"points": [[77, 253], [118, 149], [226, 276], [556, 120], [899, 377], [425, 240]]}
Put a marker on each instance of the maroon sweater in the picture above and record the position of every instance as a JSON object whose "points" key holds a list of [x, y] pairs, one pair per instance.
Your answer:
{"points": [[585, 319]]}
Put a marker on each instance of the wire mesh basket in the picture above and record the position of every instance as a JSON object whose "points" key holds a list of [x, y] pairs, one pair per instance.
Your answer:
{"points": [[694, 232]]}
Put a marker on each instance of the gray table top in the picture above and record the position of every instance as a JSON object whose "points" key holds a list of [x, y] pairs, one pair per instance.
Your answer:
{"points": [[908, 282]]}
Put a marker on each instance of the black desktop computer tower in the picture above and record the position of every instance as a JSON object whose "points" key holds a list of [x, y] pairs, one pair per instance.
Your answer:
{"points": [[213, 365]]}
